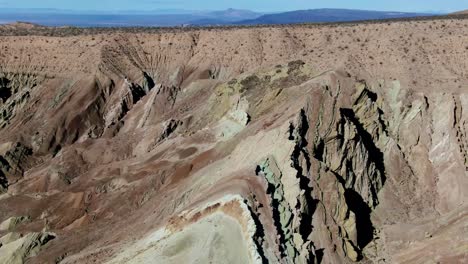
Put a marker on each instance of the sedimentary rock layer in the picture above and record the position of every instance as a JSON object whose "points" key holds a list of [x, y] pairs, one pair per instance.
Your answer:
{"points": [[320, 144]]}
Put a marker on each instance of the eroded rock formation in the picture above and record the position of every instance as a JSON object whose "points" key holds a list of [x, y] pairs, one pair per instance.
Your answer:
{"points": [[300, 144]]}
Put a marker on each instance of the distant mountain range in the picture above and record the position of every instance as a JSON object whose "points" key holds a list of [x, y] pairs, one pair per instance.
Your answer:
{"points": [[464, 12], [95, 12], [55, 17], [326, 15], [164, 18]]}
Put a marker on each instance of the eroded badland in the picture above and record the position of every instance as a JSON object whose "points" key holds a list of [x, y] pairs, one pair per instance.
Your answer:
{"points": [[292, 144]]}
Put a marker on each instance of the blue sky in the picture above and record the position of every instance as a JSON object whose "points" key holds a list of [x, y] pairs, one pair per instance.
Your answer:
{"points": [[258, 5]]}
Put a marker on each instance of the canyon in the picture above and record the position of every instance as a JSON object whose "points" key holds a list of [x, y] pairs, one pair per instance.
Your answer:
{"points": [[334, 143]]}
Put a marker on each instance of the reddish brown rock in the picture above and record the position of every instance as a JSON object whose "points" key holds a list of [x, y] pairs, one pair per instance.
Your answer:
{"points": [[314, 143]]}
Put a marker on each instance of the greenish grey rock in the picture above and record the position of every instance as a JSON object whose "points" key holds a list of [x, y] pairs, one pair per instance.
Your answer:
{"points": [[17, 251]]}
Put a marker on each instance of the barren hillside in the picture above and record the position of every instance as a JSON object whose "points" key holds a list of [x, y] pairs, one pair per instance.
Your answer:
{"points": [[464, 12], [289, 144]]}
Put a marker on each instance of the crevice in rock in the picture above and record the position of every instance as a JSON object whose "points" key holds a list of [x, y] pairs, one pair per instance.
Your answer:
{"points": [[148, 82], [3, 182], [319, 149], [5, 92], [259, 236], [300, 150], [319, 253], [169, 128], [366, 93], [306, 204], [278, 205], [291, 131], [375, 154], [364, 226], [137, 92], [134, 95]]}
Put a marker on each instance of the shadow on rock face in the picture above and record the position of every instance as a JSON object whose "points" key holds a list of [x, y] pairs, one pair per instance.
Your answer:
{"points": [[375, 154], [364, 227]]}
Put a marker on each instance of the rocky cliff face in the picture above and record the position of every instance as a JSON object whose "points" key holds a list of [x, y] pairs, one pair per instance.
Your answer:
{"points": [[305, 144]]}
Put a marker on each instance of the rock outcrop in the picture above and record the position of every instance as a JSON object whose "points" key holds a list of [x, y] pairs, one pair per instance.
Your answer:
{"points": [[15, 92], [12, 222], [291, 144], [16, 250], [13, 163]]}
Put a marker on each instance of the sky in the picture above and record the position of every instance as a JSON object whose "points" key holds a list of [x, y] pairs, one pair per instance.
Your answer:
{"points": [[256, 5]]}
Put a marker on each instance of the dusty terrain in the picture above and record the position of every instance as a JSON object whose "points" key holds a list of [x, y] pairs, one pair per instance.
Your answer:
{"points": [[299, 144]]}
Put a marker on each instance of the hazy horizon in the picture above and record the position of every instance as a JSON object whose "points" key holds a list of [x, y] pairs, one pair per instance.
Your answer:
{"points": [[184, 6], [182, 11], [165, 13], [175, 17]]}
